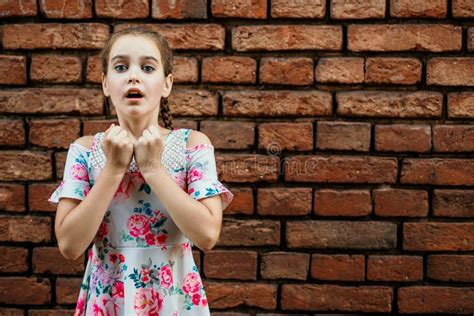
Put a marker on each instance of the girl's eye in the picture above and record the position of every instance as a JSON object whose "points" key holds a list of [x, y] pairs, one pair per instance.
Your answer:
{"points": [[149, 68], [118, 66]]}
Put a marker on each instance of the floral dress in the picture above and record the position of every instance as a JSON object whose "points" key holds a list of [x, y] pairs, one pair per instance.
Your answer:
{"points": [[140, 262]]}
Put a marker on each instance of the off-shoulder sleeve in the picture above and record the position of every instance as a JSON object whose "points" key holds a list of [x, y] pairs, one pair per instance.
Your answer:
{"points": [[202, 174], [75, 183]]}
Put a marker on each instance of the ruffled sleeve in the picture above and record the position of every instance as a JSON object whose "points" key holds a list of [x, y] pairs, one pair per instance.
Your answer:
{"points": [[75, 183], [202, 174]]}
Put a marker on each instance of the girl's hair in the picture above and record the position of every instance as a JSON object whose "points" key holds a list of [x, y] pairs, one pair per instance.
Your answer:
{"points": [[166, 58]]}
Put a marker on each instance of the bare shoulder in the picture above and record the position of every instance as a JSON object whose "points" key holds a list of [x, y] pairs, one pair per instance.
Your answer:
{"points": [[85, 141], [196, 138]]}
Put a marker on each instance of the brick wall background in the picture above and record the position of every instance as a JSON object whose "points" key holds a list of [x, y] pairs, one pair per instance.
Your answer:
{"points": [[344, 128]]}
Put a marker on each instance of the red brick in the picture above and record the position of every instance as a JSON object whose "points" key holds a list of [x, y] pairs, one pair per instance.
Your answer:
{"points": [[393, 70], [12, 132], [12, 290], [248, 168], [67, 290], [91, 127], [340, 70], [435, 299], [132, 9], [453, 138], [404, 37], [94, 69], [338, 267], [470, 39], [400, 202], [284, 201], [229, 135], [435, 9], [242, 202], [17, 8], [249, 9], [52, 101], [76, 9], [298, 9], [232, 69], [54, 133], [341, 169], [286, 71], [13, 259], [181, 9], [25, 165], [343, 136], [275, 137], [223, 264], [461, 105], [438, 236], [453, 203], [26, 228], [341, 234], [285, 265], [185, 69], [189, 36], [37, 36], [250, 233], [60, 158], [403, 138], [437, 171], [395, 268], [193, 103], [12, 69], [36, 195], [354, 9], [56, 69], [50, 260], [401, 104], [50, 312], [11, 311], [451, 268], [12, 197], [228, 295], [277, 103], [450, 71], [287, 37], [315, 297], [329, 202], [463, 9]]}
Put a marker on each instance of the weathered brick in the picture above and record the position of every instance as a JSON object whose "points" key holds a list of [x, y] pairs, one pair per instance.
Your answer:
{"points": [[94, 69], [449, 268], [403, 138], [286, 71], [404, 37], [13, 259], [395, 268], [12, 132], [287, 37], [343, 169], [91, 127], [56, 69], [354, 9], [341, 234], [275, 137], [233, 69], [229, 294], [242, 203], [461, 105], [450, 71], [67, 290], [285, 265], [298, 9], [390, 104], [340, 70], [438, 236], [277, 103], [185, 69], [393, 70], [12, 290], [54, 133], [12, 197], [229, 135], [453, 203], [435, 299], [284, 201], [11, 311], [12, 69], [437, 171], [180, 9], [25, 165], [50, 312], [470, 39], [435, 9], [463, 8], [400, 202], [249, 9], [223, 264], [248, 168], [453, 138], [329, 202], [338, 267], [131, 9], [25, 229], [50, 260], [75, 9], [193, 103], [36, 197], [250, 233], [343, 136], [18, 8]]}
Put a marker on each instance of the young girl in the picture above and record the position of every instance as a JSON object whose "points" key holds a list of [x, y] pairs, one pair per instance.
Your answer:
{"points": [[143, 194]]}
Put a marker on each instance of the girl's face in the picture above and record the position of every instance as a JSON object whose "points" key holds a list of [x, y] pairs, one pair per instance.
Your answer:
{"points": [[135, 63]]}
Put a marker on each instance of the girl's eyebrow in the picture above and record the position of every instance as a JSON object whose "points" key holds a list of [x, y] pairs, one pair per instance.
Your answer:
{"points": [[127, 57]]}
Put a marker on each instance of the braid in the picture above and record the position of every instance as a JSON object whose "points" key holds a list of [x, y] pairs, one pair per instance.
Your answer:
{"points": [[165, 114]]}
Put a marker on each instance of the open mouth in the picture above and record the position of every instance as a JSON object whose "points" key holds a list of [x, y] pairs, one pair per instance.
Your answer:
{"points": [[134, 95]]}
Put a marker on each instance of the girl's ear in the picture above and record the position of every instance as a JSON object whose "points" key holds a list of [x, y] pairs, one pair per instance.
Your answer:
{"points": [[104, 85], [168, 86]]}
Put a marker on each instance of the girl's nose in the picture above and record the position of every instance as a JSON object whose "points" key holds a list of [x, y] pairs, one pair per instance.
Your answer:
{"points": [[133, 76]]}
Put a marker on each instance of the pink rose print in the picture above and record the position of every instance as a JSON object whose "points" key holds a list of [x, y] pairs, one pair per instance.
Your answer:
{"points": [[185, 247], [79, 172], [145, 273], [152, 239], [176, 313], [138, 225], [196, 298], [97, 310], [130, 181], [195, 174], [147, 302], [166, 277], [204, 301], [103, 231], [80, 304], [118, 290], [191, 283]]}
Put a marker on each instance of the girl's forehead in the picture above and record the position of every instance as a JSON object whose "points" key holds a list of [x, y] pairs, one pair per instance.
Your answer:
{"points": [[134, 46]]}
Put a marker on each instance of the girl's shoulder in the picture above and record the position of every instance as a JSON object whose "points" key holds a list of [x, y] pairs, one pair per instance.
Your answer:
{"points": [[85, 142], [196, 139]]}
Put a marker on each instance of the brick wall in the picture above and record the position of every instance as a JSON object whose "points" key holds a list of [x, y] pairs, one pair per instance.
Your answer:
{"points": [[344, 128]]}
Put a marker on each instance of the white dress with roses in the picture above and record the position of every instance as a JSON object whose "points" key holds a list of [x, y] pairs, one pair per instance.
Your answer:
{"points": [[140, 262]]}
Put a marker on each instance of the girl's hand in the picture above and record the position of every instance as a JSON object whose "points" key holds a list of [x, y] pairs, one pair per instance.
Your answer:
{"points": [[118, 149], [148, 150]]}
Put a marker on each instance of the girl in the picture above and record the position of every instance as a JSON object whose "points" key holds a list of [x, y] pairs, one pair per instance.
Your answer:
{"points": [[125, 190]]}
